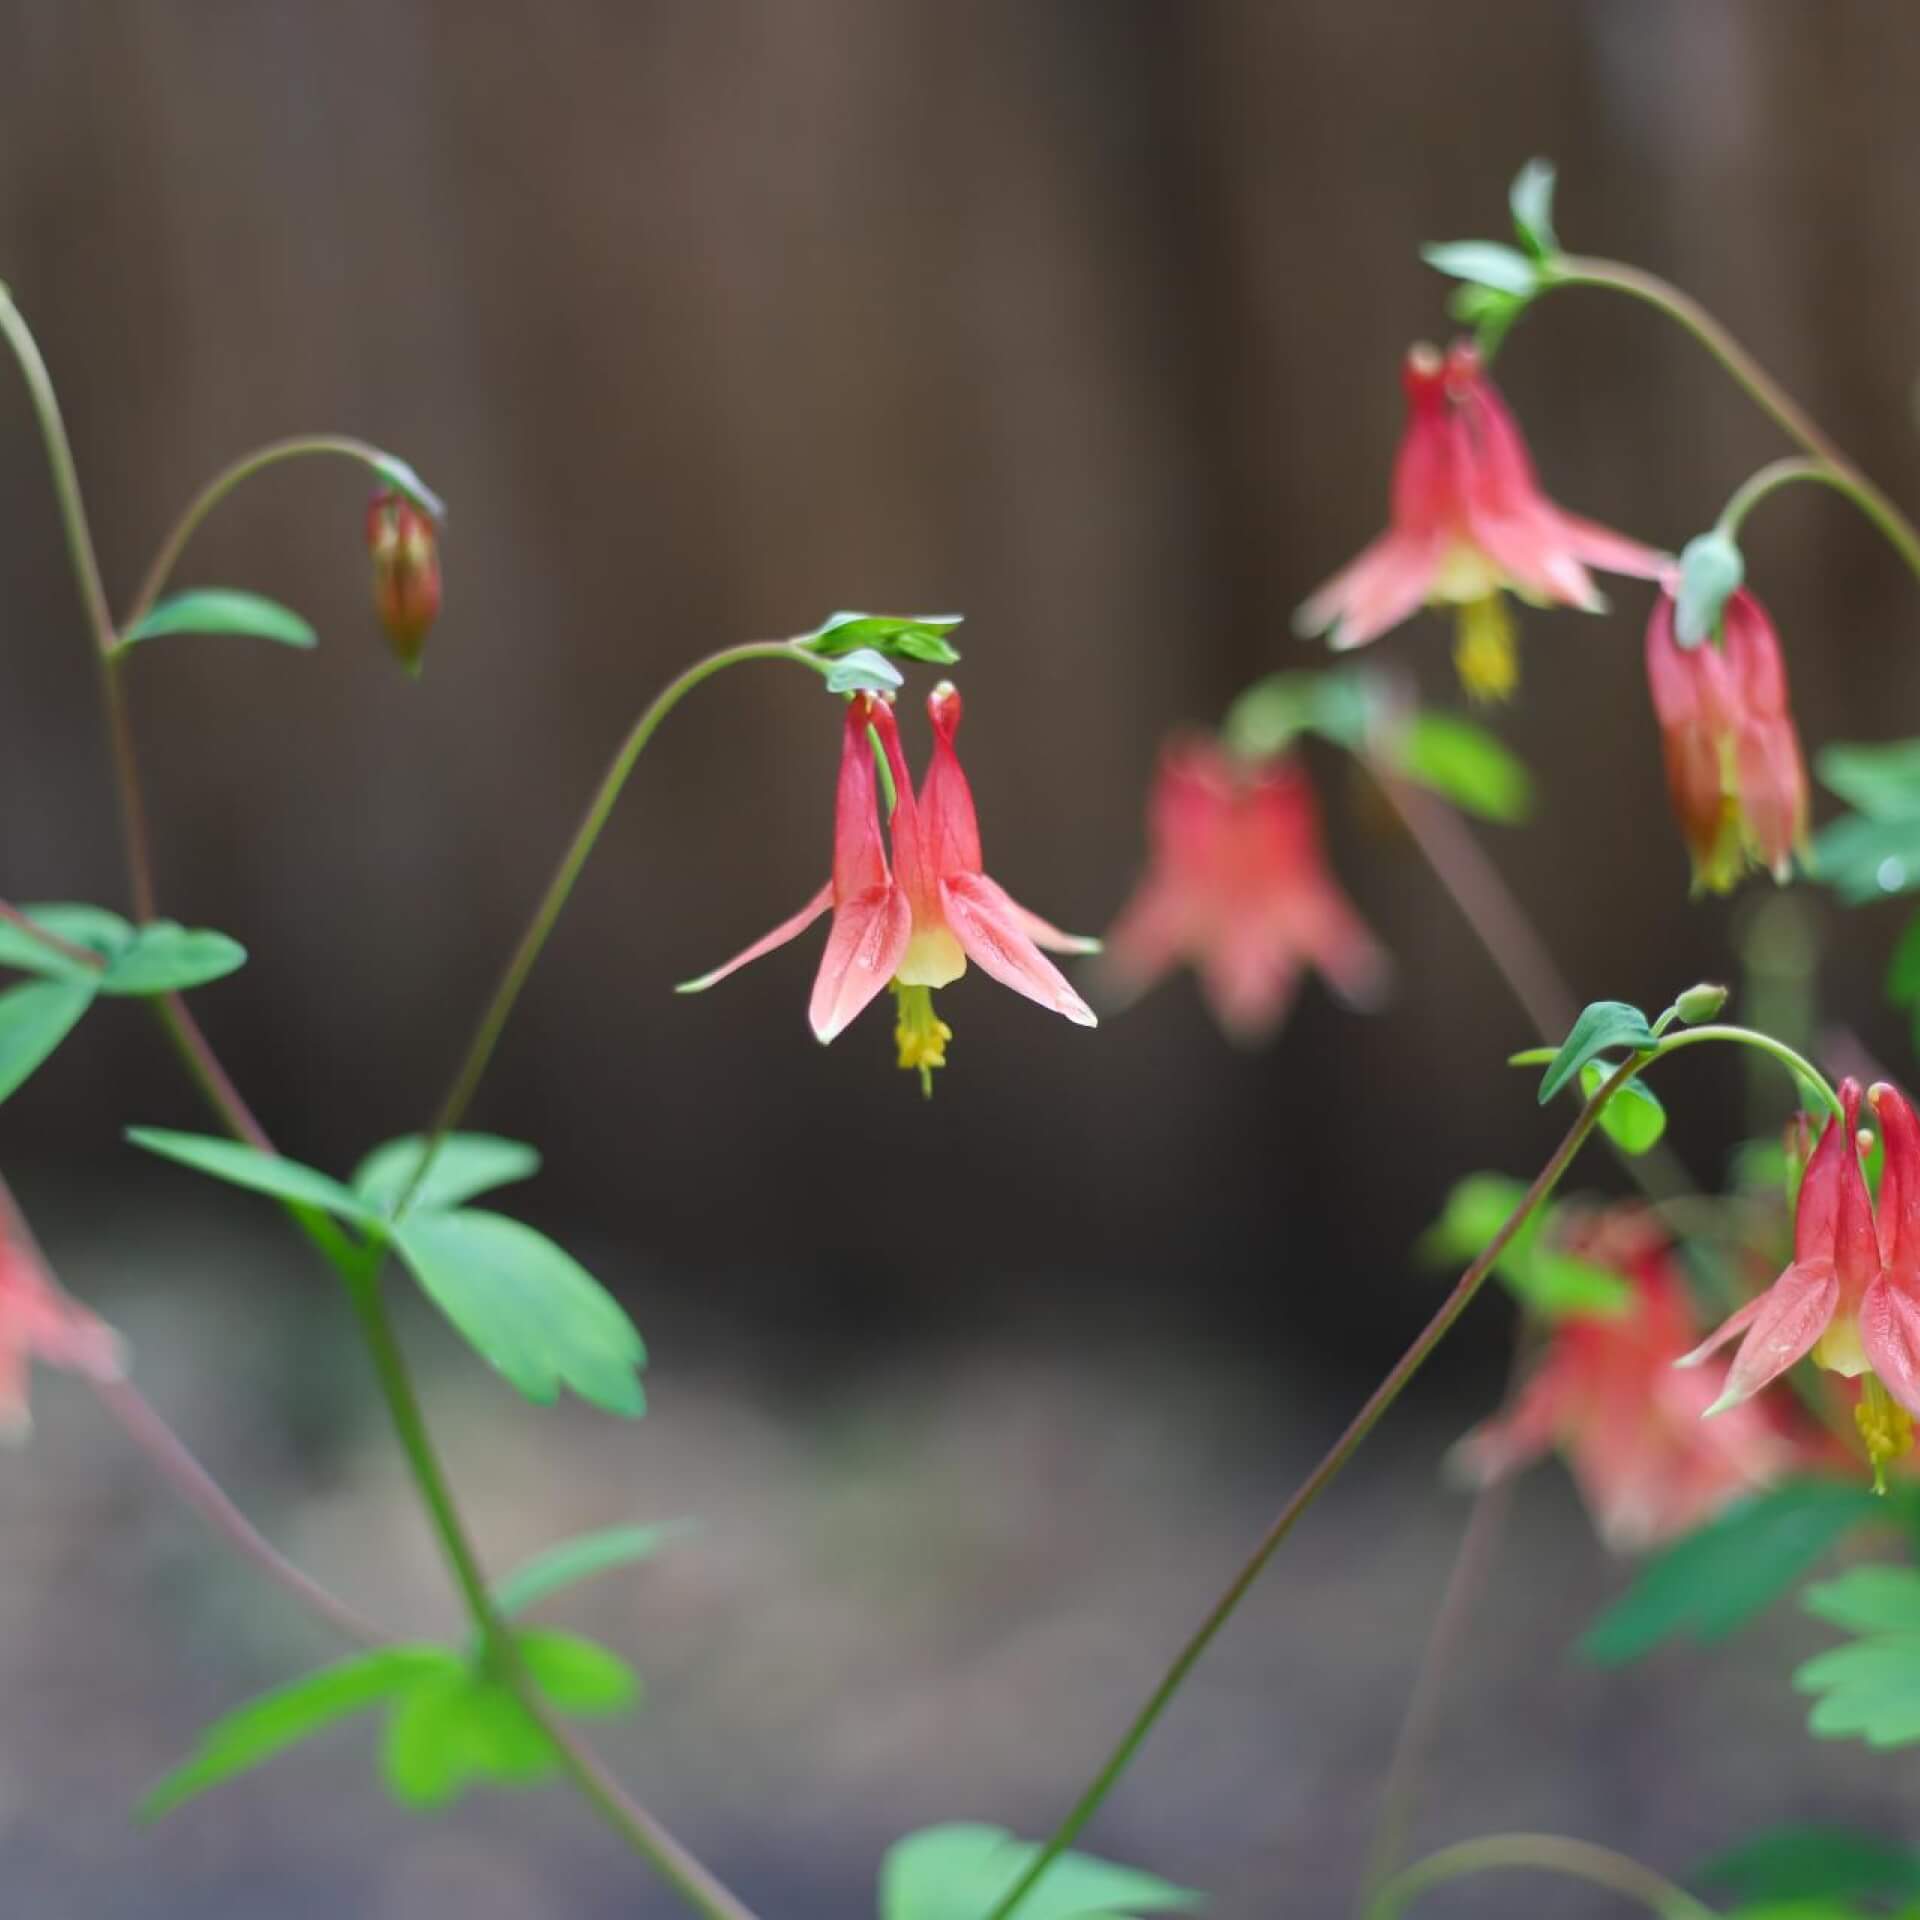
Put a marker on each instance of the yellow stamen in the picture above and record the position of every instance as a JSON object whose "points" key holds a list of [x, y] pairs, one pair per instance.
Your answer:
{"points": [[1485, 652], [920, 1034], [1885, 1426]]}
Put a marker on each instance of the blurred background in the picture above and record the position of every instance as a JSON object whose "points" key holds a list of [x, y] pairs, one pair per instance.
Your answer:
{"points": [[709, 317]]}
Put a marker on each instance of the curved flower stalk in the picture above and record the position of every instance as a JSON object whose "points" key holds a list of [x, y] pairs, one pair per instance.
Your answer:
{"points": [[1735, 773], [1605, 1394], [1468, 525], [1237, 886], [915, 923]]}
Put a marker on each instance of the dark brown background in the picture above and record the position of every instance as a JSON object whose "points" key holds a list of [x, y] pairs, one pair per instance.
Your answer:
{"points": [[711, 317]]}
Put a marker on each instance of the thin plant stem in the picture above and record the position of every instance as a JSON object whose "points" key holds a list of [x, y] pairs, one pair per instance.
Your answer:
{"points": [[1795, 470], [1795, 1063], [526, 953], [1766, 392], [1541, 1853], [1311, 1488], [357, 1264], [170, 1458], [223, 483], [79, 956]]}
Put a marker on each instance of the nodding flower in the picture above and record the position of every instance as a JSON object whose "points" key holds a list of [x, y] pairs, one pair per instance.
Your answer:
{"points": [[1850, 1297], [1605, 1394], [915, 922], [1734, 769], [405, 545], [1468, 524], [1237, 886]]}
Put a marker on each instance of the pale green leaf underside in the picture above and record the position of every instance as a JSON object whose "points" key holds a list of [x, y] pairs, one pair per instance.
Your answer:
{"points": [[223, 610]]}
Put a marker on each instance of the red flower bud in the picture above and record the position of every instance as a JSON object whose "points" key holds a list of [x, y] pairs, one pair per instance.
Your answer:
{"points": [[405, 545]]}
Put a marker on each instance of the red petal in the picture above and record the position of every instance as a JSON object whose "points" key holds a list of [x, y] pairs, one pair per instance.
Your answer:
{"points": [[859, 849], [1899, 1216], [785, 931], [1729, 1328], [987, 923], [1794, 1312], [947, 817], [1890, 1337], [868, 936]]}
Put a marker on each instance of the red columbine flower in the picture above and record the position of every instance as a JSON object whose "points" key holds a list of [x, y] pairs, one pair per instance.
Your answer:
{"points": [[914, 926], [1237, 884], [40, 1322], [1605, 1394], [1851, 1297], [1468, 520], [1734, 771], [405, 546]]}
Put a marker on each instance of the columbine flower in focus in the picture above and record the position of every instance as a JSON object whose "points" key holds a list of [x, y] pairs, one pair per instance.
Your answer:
{"points": [[1605, 1394], [1237, 885], [405, 546], [914, 925], [40, 1322], [1851, 1297], [1734, 770], [1468, 524]]}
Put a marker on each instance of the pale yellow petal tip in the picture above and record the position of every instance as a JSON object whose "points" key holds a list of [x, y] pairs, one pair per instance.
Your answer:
{"points": [[696, 986], [1694, 1359], [1727, 1400]]}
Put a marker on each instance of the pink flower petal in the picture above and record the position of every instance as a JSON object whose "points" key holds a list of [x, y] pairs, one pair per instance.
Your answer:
{"points": [[1794, 1312], [987, 923], [864, 947], [1890, 1336], [1736, 1323], [1597, 546], [785, 931]]}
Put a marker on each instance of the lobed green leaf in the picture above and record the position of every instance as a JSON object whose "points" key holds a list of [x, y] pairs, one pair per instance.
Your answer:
{"points": [[244, 1166], [1462, 762], [1603, 1024], [864, 671], [281, 1719], [913, 636], [1720, 1576], [34, 1019], [529, 1309], [165, 957], [466, 1164], [1486, 263], [1813, 1863], [1531, 200], [1633, 1119], [963, 1871], [92, 928], [582, 1559]]}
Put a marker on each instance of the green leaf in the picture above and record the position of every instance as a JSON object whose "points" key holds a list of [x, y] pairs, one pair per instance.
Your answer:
{"points": [[222, 610], [1878, 1599], [1633, 1119], [93, 928], [1489, 313], [1711, 569], [963, 1871], [34, 1019], [1813, 1863], [1603, 1024], [455, 1728], [581, 1559], [466, 1164], [1863, 858], [244, 1166], [576, 1674], [1466, 764], [1558, 1285], [1719, 1577], [1340, 705], [1543, 1279], [864, 672], [1486, 263], [913, 636], [1881, 779], [1870, 1687], [1531, 199], [530, 1310], [398, 474], [165, 957], [280, 1719]]}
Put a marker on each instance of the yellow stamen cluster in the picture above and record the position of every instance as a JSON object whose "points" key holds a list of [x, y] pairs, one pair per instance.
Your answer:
{"points": [[1485, 649], [1885, 1426], [920, 1034]]}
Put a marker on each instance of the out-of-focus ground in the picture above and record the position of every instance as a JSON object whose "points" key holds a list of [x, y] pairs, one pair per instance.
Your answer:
{"points": [[930, 1590]]}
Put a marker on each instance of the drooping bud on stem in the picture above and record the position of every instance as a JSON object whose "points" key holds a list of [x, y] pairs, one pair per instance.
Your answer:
{"points": [[405, 545]]}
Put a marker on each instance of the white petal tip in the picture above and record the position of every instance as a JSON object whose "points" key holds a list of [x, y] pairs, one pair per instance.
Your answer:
{"points": [[1081, 1014], [695, 986], [1727, 1400]]}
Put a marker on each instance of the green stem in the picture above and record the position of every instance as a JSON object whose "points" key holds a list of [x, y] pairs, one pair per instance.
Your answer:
{"points": [[493, 1021], [1792, 419], [222, 484], [1543, 1853], [1771, 478], [1310, 1489], [1795, 1063]]}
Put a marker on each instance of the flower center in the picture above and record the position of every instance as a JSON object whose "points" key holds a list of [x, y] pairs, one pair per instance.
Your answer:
{"points": [[1484, 651], [1885, 1426], [920, 1034], [933, 959]]}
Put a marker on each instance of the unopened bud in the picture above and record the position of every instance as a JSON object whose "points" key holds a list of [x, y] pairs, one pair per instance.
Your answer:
{"points": [[1700, 1003], [405, 546]]}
